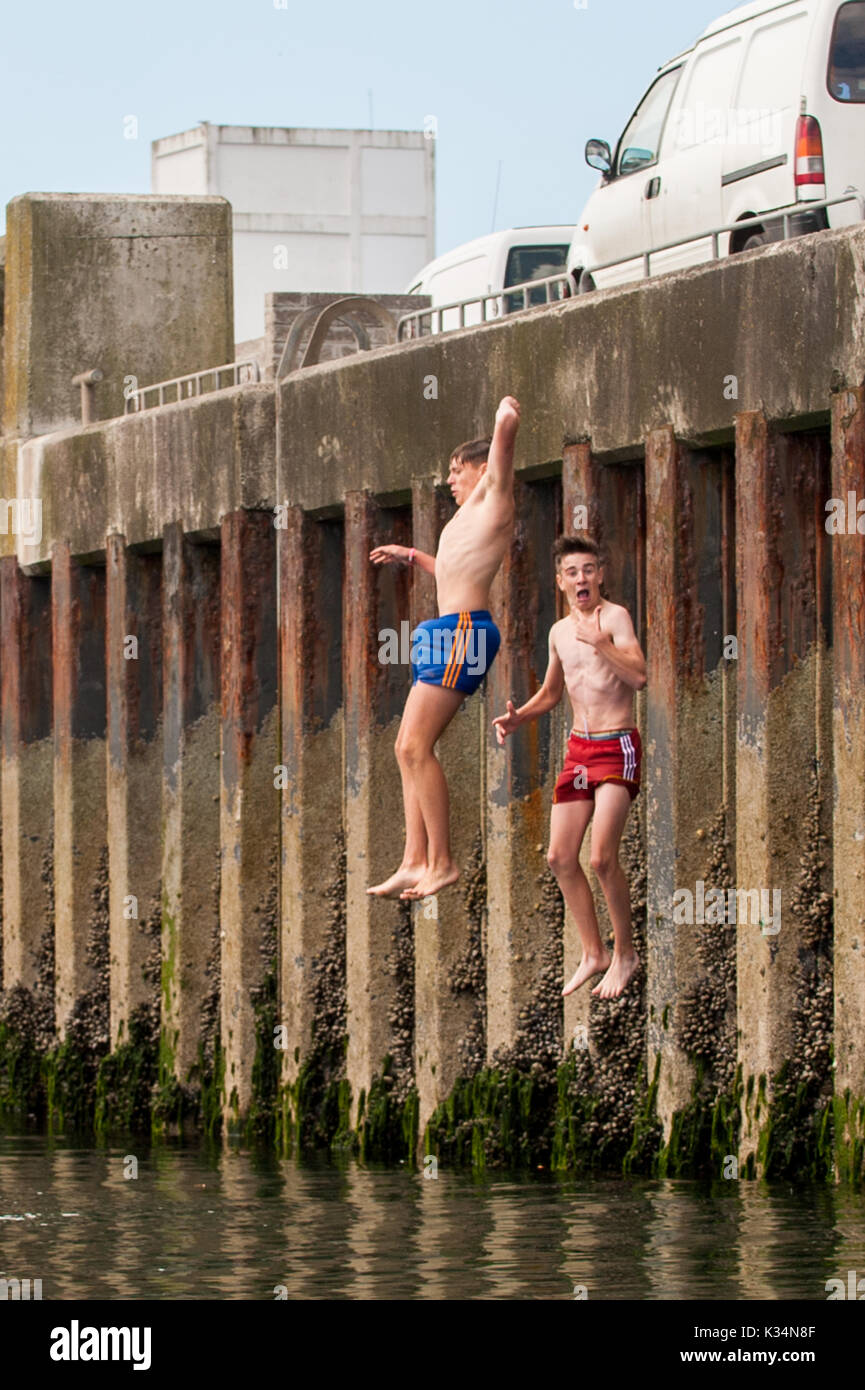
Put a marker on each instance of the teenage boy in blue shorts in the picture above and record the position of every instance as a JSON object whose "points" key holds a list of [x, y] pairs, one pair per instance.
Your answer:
{"points": [[451, 653]]}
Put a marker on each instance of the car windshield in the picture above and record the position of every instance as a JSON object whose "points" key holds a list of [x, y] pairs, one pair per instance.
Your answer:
{"points": [[642, 136], [846, 80]]}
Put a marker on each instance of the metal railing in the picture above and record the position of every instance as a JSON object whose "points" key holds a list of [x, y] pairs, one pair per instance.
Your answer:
{"points": [[187, 387], [779, 214], [411, 325]]}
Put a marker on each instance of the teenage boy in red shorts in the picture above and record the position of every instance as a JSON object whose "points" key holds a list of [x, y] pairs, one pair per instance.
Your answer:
{"points": [[595, 653]]}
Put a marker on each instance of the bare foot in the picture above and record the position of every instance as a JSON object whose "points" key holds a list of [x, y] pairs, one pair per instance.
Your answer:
{"points": [[432, 882], [589, 965], [618, 975], [406, 876]]}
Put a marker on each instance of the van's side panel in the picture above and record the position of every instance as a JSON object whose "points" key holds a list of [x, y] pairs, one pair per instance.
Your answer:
{"points": [[757, 166], [690, 197]]}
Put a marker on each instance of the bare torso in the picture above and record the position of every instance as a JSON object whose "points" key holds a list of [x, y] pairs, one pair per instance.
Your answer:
{"points": [[471, 548], [599, 698]]}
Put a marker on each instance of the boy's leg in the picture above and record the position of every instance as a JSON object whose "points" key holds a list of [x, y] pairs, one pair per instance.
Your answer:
{"points": [[414, 858], [568, 823], [429, 709], [612, 803]]}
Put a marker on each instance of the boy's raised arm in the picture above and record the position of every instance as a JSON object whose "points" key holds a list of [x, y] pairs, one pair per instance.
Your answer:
{"points": [[500, 462]]}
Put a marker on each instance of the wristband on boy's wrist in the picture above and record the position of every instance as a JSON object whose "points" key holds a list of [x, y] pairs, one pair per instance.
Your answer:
{"points": [[411, 556]]}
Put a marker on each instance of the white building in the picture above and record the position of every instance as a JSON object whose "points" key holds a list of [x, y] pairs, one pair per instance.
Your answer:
{"points": [[320, 210]]}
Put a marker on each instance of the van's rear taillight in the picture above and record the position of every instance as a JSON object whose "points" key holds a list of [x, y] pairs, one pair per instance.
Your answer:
{"points": [[809, 152]]}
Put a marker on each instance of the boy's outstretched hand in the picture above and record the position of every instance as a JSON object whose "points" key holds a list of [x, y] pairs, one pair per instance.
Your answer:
{"points": [[389, 555], [506, 723]]}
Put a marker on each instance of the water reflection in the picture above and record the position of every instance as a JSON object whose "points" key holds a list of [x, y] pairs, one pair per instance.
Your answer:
{"points": [[212, 1223]]}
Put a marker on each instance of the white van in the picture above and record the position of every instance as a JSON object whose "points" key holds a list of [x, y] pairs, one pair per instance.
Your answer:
{"points": [[490, 264], [765, 111]]}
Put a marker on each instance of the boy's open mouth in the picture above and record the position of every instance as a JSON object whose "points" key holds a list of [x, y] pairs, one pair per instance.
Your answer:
{"points": [[582, 594]]}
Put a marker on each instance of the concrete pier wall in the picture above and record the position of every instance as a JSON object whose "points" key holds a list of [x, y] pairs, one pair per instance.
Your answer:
{"points": [[240, 771]]}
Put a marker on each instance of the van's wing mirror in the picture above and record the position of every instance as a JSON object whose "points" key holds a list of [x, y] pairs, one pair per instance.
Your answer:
{"points": [[598, 155]]}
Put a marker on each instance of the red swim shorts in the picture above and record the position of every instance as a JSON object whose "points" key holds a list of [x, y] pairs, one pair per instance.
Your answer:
{"points": [[612, 756]]}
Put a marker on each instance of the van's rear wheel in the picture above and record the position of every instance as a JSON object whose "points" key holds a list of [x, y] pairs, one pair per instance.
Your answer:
{"points": [[754, 240], [584, 282]]}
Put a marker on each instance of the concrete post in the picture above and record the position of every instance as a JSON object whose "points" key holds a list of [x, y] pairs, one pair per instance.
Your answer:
{"points": [[848, 835], [781, 713], [27, 771], [249, 812], [519, 782], [80, 828], [190, 796], [374, 695], [310, 643], [134, 668]]}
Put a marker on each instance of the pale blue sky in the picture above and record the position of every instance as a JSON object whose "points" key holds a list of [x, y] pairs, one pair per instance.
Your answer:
{"points": [[525, 83]]}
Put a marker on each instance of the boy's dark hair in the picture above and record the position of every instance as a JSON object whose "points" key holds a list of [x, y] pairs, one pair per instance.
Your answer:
{"points": [[576, 545], [474, 451]]}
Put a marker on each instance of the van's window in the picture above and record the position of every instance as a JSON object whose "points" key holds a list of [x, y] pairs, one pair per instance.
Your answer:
{"points": [[533, 263], [704, 116], [847, 54], [771, 76], [642, 135]]}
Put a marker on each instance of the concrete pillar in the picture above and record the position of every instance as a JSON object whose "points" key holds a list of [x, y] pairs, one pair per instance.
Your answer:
{"points": [[310, 638], [249, 811], [374, 696], [444, 1015], [780, 486], [190, 796], [27, 772], [80, 828], [520, 777], [848, 650], [134, 668], [683, 776]]}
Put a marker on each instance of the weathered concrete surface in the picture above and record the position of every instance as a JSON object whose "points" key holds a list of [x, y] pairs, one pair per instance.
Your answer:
{"points": [[780, 485], [611, 366], [133, 656], [191, 462], [249, 806], [374, 694], [684, 745], [80, 820], [364, 438], [192, 634], [519, 778], [310, 638], [848, 830], [27, 770], [136, 285]]}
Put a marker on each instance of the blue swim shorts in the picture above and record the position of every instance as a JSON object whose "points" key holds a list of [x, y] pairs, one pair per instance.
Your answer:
{"points": [[454, 651]]}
